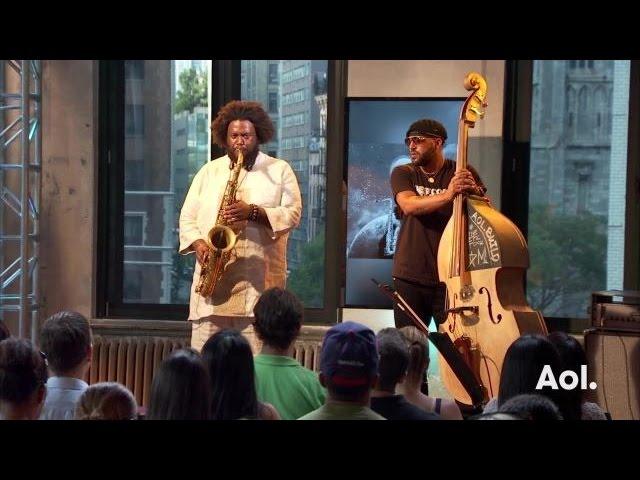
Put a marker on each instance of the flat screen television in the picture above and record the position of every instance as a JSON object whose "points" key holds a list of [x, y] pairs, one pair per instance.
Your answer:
{"points": [[376, 129]]}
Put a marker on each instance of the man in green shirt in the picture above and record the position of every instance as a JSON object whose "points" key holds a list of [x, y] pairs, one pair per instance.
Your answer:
{"points": [[349, 370], [280, 379]]}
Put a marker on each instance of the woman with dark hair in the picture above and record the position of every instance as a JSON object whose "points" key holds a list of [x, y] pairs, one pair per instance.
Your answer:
{"points": [[229, 359], [23, 378], [573, 357], [266, 207], [180, 388], [521, 370]]}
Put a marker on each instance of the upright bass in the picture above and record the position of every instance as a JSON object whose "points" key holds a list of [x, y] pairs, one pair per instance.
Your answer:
{"points": [[482, 259]]}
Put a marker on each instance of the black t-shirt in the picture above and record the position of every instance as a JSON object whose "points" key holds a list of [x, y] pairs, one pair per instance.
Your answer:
{"points": [[416, 254], [396, 407]]}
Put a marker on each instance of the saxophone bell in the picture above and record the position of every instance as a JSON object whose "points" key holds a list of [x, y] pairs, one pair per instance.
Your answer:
{"points": [[222, 238]]}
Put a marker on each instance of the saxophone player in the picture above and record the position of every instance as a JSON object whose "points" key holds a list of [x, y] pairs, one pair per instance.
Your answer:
{"points": [[265, 207]]}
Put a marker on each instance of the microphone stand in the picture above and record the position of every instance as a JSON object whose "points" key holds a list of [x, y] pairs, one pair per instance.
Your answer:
{"points": [[444, 345]]}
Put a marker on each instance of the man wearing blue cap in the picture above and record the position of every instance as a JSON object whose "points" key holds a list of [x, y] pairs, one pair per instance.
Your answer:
{"points": [[348, 370]]}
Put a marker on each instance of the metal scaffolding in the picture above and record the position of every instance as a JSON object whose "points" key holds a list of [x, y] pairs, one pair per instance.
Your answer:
{"points": [[20, 187]]}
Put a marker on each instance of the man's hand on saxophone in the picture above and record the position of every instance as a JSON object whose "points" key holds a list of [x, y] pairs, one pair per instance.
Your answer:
{"points": [[202, 250], [237, 212]]}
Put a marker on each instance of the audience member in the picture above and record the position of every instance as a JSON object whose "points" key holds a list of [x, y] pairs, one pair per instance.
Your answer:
{"points": [[229, 360], [106, 401], [521, 371], [23, 378], [65, 338], [418, 345], [392, 370], [280, 379], [348, 370], [180, 388], [531, 407], [573, 357]]}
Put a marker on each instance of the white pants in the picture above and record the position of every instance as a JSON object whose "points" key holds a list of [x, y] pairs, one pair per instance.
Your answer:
{"points": [[205, 327]]}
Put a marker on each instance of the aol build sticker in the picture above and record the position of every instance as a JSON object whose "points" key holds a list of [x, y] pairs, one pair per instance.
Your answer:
{"points": [[568, 379]]}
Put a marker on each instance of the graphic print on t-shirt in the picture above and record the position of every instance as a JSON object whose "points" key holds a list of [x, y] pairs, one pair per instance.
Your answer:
{"points": [[427, 192]]}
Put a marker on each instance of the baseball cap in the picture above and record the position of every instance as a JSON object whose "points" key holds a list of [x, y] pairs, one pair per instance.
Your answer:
{"points": [[349, 356], [429, 127]]}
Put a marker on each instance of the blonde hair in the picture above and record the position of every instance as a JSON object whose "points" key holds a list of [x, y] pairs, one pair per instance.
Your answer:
{"points": [[106, 401], [417, 342]]}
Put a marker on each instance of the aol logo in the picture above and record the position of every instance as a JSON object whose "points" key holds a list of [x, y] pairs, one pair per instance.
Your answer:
{"points": [[547, 379]]}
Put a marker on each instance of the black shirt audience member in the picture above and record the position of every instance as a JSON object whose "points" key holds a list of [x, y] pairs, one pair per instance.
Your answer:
{"points": [[392, 370]]}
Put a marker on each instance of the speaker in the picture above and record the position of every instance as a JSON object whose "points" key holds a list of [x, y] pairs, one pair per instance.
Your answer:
{"points": [[616, 310], [613, 358]]}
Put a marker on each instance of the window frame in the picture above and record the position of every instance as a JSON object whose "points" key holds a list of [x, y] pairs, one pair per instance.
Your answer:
{"points": [[111, 188], [516, 171]]}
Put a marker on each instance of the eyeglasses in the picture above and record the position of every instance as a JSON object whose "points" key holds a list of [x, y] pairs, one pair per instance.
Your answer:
{"points": [[244, 136], [44, 358], [417, 139]]}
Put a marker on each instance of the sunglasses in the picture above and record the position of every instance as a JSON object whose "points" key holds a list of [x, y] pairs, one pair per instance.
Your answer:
{"points": [[417, 139]]}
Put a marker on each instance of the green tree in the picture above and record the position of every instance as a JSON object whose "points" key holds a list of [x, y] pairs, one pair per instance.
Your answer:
{"points": [[193, 90], [568, 260], [307, 281]]}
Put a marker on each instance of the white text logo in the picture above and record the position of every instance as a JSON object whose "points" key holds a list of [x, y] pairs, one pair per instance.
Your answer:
{"points": [[568, 379]]}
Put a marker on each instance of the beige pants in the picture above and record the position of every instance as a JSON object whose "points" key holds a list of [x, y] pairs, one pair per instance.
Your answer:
{"points": [[205, 327]]}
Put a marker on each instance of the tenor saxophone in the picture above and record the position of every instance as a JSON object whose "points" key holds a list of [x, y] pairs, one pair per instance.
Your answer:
{"points": [[221, 238]]}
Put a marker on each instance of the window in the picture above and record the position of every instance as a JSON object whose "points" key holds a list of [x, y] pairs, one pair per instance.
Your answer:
{"points": [[134, 69], [273, 73], [299, 117], [577, 187], [295, 119], [134, 228], [133, 284], [294, 142], [296, 73], [295, 97], [134, 120], [155, 117], [273, 102], [135, 177]]}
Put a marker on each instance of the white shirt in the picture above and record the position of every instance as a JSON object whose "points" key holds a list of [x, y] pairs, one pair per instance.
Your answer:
{"points": [[62, 397], [260, 259]]}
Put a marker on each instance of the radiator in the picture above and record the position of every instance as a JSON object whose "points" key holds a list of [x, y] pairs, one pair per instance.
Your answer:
{"points": [[129, 352], [131, 361], [308, 354]]}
